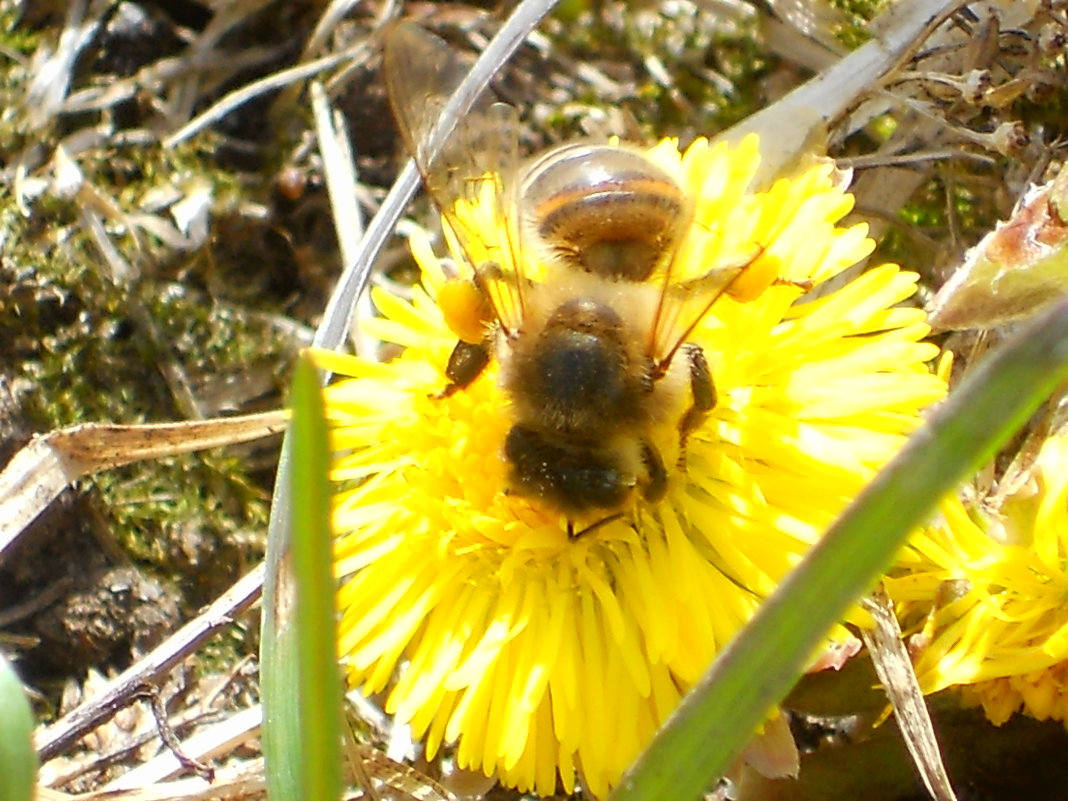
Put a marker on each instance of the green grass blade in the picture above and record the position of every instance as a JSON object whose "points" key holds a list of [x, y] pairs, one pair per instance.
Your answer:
{"points": [[758, 668], [301, 682], [18, 762], [279, 672]]}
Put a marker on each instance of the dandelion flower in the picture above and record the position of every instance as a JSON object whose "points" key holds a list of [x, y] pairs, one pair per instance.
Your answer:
{"points": [[543, 658], [991, 598]]}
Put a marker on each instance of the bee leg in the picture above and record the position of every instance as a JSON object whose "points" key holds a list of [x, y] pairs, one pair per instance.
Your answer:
{"points": [[466, 363], [804, 284], [656, 488], [703, 391], [487, 271]]}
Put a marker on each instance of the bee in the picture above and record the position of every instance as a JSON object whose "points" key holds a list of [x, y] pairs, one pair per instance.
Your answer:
{"points": [[575, 296]]}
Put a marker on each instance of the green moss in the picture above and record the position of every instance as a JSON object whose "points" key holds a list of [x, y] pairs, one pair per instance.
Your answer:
{"points": [[853, 31], [714, 68], [197, 519], [861, 10], [94, 349]]}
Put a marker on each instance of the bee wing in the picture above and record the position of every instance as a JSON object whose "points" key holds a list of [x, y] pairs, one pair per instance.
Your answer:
{"points": [[473, 175], [685, 300]]}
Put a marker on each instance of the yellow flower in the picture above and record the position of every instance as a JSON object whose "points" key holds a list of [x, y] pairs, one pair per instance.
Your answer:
{"points": [[544, 657], [991, 596]]}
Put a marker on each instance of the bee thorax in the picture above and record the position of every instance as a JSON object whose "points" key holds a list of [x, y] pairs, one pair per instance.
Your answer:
{"points": [[578, 376]]}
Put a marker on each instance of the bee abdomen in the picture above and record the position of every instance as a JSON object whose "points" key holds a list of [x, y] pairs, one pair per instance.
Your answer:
{"points": [[605, 210], [573, 479]]}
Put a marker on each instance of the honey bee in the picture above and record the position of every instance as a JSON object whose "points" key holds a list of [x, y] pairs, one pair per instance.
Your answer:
{"points": [[575, 297]]}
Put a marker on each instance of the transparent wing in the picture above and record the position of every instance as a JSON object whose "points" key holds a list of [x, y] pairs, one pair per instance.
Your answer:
{"points": [[471, 172], [687, 294]]}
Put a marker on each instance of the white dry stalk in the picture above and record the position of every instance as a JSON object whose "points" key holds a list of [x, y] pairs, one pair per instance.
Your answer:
{"points": [[50, 462], [788, 127], [893, 666], [242, 782], [120, 691], [52, 69], [328, 21], [211, 741], [339, 171], [275, 80]]}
